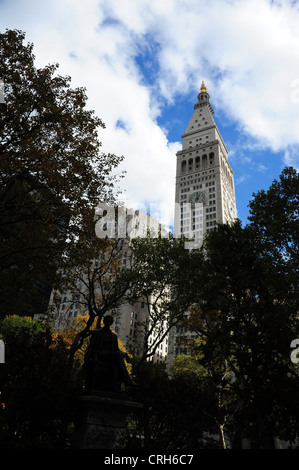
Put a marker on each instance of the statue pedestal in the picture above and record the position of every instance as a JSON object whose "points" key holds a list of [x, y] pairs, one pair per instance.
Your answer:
{"points": [[102, 421]]}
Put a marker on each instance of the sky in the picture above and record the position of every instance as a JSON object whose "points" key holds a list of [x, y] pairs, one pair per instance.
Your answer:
{"points": [[142, 63]]}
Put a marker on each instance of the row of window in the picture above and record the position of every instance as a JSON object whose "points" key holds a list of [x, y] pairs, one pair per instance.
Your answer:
{"points": [[195, 227], [202, 173], [199, 139], [200, 186], [187, 215], [198, 162], [62, 306], [73, 314], [197, 180], [195, 233], [210, 224], [197, 220], [211, 202]]}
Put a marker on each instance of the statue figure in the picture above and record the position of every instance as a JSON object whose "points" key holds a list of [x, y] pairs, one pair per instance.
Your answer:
{"points": [[104, 362]]}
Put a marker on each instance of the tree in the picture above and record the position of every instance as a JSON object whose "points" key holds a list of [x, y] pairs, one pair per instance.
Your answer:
{"points": [[246, 325], [240, 288], [216, 376], [274, 217], [163, 268], [95, 277], [155, 274], [75, 327], [52, 173], [36, 397], [179, 408]]}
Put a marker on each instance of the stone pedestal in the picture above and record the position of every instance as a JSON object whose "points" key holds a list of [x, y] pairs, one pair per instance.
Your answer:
{"points": [[102, 421]]}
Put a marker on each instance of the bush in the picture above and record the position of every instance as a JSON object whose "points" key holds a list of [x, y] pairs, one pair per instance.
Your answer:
{"points": [[35, 385]]}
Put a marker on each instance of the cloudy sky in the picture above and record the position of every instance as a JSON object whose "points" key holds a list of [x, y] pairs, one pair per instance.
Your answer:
{"points": [[142, 63]]}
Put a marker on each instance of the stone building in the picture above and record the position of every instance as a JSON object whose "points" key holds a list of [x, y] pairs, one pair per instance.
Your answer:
{"points": [[204, 196], [131, 321], [205, 191]]}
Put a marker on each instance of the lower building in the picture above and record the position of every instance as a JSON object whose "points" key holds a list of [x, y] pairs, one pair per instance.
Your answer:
{"points": [[132, 322]]}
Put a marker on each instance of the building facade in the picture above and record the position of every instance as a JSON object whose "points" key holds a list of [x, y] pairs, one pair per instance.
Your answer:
{"points": [[205, 192], [132, 321], [204, 197]]}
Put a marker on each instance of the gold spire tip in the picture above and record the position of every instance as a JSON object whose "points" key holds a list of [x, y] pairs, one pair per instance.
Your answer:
{"points": [[203, 88]]}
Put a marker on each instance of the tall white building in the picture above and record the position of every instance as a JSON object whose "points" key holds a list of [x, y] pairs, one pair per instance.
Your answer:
{"points": [[205, 193], [204, 196]]}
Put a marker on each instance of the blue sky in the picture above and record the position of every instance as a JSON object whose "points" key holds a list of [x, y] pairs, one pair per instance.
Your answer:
{"points": [[142, 63]]}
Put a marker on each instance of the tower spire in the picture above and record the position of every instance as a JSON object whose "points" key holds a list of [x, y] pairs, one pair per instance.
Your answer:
{"points": [[203, 88], [203, 98]]}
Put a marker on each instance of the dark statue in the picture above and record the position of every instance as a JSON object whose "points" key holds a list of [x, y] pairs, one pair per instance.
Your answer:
{"points": [[104, 364]]}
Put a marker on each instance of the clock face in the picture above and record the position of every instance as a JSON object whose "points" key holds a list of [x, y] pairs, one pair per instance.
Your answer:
{"points": [[198, 197]]}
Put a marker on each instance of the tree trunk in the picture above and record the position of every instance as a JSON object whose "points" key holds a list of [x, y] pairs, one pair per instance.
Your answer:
{"points": [[222, 436]]}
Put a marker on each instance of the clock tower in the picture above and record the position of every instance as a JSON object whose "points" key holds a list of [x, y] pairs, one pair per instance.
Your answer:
{"points": [[205, 193]]}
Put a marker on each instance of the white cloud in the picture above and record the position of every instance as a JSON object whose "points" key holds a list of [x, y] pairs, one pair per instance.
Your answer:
{"points": [[291, 156], [247, 51], [241, 179]]}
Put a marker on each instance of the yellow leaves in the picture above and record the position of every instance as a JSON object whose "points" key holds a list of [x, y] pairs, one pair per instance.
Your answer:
{"points": [[123, 349], [76, 326]]}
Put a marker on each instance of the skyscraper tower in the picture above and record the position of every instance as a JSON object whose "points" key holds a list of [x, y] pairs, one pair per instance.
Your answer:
{"points": [[205, 193]]}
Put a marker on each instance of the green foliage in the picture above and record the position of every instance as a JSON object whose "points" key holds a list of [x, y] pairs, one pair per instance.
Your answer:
{"points": [[51, 172], [188, 366], [242, 285], [36, 394], [274, 217], [243, 290], [162, 269], [247, 320], [274, 214], [179, 410]]}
